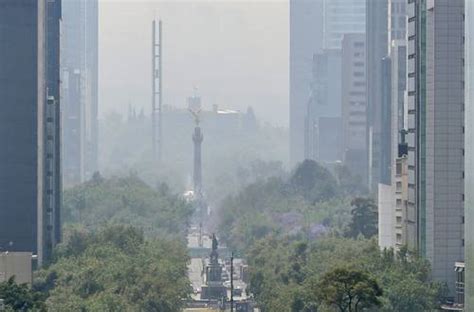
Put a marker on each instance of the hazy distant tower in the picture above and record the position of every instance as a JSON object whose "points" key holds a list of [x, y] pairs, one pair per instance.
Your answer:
{"points": [[157, 97], [197, 139], [80, 89]]}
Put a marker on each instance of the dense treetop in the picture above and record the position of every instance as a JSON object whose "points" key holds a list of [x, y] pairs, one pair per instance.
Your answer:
{"points": [[115, 269], [126, 200]]}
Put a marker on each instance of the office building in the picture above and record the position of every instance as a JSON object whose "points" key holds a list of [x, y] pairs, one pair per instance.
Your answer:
{"points": [[324, 105], [397, 20], [435, 136], [79, 62], [306, 39], [317, 28], [354, 104], [402, 224], [53, 116], [469, 156], [29, 159], [377, 49], [342, 17]]}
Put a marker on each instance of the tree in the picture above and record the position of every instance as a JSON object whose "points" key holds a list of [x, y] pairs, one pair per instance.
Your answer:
{"points": [[364, 218], [287, 275], [21, 297], [350, 290], [116, 269], [313, 181], [126, 200], [348, 182]]}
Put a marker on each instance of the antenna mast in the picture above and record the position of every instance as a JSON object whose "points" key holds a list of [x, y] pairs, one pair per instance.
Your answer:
{"points": [[157, 95]]}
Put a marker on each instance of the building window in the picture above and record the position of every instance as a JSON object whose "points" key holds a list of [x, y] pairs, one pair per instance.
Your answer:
{"points": [[399, 168], [399, 238]]}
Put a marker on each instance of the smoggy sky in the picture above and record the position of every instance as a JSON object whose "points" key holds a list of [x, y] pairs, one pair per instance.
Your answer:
{"points": [[234, 52]]}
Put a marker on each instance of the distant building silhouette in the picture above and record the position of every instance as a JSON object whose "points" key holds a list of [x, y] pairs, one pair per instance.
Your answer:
{"points": [[79, 63]]}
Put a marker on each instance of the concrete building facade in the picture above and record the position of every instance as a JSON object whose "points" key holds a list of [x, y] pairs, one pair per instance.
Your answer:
{"points": [[29, 159], [403, 220], [18, 265], [435, 138], [354, 104]]}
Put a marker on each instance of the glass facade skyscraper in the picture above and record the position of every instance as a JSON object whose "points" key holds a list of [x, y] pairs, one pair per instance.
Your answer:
{"points": [[342, 17], [469, 155], [79, 61], [29, 127]]}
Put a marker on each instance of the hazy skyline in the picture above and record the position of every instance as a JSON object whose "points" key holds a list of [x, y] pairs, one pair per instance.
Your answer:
{"points": [[234, 52]]}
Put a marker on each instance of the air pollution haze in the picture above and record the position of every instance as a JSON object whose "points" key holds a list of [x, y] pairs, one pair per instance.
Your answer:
{"points": [[269, 156], [235, 53]]}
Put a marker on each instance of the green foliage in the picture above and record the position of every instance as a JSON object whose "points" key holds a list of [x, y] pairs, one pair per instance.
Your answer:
{"points": [[116, 269], [314, 182], [288, 275], [126, 200], [21, 297], [364, 218], [349, 290], [305, 204]]}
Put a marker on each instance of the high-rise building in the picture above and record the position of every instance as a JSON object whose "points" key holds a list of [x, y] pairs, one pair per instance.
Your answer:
{"points": [[398, 218], [377, 49], [435, 138], [469, 155], [397, 20], [54, 155], [324, 102], [317, 28], [79, 62], [342, 17], [29, 125], [354, 104], [306, 39]]}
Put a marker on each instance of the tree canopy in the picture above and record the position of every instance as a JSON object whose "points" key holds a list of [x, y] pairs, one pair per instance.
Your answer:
{"points": [[21, 297], [309, 202], [116, 269], [126, 200], [350, 290], [302, 276], [364, 218]]}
